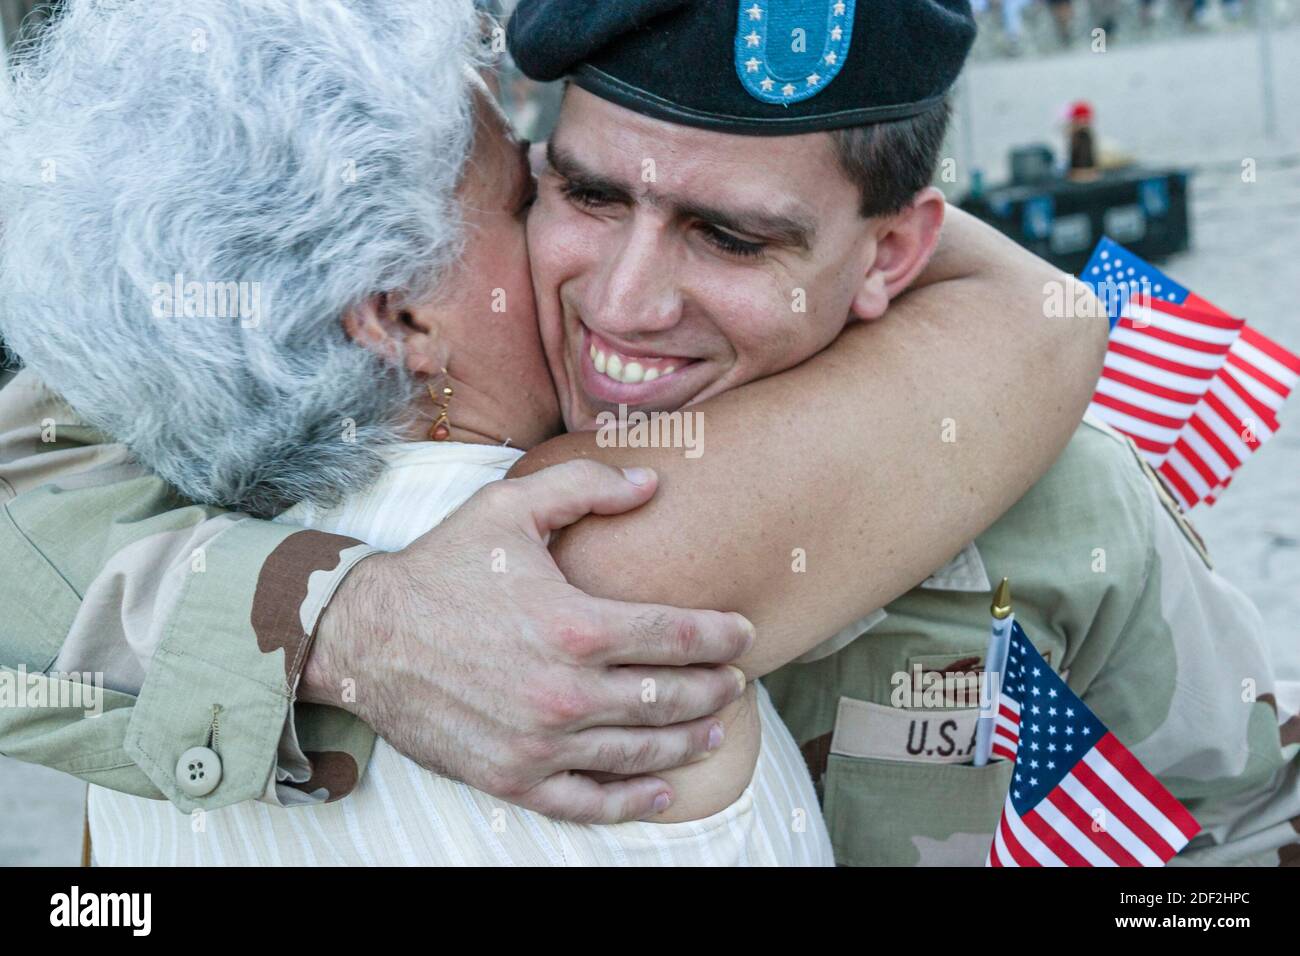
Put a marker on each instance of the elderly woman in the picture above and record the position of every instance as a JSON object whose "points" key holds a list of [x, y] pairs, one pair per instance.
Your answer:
{"points": [[279, 250]]}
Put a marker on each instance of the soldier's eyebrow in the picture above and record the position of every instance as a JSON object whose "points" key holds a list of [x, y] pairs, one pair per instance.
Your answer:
{"points": [[583, 177], [788, 230], [785, 230]]}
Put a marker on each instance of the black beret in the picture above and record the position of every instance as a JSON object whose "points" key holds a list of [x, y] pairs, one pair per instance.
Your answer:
{"points": [[766, 67]]}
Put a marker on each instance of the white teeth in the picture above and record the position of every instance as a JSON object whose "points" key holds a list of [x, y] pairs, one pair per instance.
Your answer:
{"points": [[670, 369], [633, 373]]}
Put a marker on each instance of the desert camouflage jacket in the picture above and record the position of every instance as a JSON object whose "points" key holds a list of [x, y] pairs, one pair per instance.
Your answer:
{"points": [[135, 625], [1116, 591]]}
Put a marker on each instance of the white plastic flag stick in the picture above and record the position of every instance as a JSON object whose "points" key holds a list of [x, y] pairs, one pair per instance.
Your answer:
{"points": [[995, 662]]}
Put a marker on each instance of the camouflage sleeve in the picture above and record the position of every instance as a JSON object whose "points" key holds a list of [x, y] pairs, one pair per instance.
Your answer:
{"points": [[137, 625], [1195, 689]]}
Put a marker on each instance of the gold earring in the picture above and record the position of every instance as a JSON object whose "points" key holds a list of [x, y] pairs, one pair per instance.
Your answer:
{"points": [[440, 430]]}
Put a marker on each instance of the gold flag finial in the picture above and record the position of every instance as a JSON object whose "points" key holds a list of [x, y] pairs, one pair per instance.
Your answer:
{"points": [[1001, 608]]}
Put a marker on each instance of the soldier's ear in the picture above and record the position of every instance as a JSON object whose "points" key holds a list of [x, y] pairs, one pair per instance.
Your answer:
{"points": [[399, 334], [904, 244]]}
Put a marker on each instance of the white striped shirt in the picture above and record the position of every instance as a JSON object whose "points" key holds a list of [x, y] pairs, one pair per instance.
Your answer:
{"points": [[401, 814]]}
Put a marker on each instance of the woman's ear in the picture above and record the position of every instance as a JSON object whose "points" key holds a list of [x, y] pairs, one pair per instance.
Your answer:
{"points": [[396, 333], [903, 247]]}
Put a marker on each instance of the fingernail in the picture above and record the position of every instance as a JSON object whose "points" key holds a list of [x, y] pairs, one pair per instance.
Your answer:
{"points": [[661, 803], [715, 736], [740, 677], [638, 476], [749, 630]]}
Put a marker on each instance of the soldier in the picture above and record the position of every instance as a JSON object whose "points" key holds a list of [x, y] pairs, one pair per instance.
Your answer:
{"points": [[1112, 583]]}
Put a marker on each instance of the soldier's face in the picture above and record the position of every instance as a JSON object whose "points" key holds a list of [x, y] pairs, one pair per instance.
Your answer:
{"points": [[672, 263]]}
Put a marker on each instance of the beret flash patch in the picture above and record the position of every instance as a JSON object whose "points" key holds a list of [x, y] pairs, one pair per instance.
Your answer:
{"points": [[788, 51]]}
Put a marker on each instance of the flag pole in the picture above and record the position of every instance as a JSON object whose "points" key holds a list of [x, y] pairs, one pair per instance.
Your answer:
{"points": [[994, 664]]}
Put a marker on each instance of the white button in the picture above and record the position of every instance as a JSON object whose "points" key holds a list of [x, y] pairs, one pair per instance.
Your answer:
{"points": [[198, 771]]}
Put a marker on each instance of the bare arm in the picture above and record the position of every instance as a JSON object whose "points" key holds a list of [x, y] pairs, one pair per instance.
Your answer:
{"points": [[845, 456]]}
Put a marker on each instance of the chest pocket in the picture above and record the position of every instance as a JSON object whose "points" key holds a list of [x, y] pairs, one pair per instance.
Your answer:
{"points": [[895, 813], [898, 789]]}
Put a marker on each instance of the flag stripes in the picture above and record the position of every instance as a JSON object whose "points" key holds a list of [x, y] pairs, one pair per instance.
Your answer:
{"points": [[1196, 389], [1161, 360]]}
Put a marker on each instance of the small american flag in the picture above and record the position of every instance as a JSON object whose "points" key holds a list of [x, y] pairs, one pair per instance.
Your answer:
{"points": [[1235, 416], [1196, 389], [1077, 796]]}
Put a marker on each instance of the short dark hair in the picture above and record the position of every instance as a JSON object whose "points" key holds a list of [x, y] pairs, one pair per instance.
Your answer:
{"points": [[891, 162]]}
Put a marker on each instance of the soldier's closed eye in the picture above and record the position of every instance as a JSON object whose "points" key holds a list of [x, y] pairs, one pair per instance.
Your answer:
{"points": [[731, 245], [587, 196]]}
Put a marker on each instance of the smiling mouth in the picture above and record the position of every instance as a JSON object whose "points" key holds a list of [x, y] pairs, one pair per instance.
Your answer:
{"points": [[616, 366]]}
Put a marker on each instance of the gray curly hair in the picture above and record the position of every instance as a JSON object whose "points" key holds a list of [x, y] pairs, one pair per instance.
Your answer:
{"points": [[193, 193]]}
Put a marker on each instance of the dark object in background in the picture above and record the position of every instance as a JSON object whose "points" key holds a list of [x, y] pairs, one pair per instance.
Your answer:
{"points": [[1061, 220], [1083, 153], [1082, 144], [1031, 165]]}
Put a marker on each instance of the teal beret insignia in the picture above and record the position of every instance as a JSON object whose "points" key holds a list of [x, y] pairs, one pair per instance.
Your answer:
{"points": [[790, 50]]}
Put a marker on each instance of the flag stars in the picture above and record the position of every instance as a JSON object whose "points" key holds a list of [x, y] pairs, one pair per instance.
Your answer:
{"points": [[767, 84], [831, 58], [814, 79], [751, 65], [788, 89], [839, 9], [753, 38], [836, 33], [755, 12]]}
